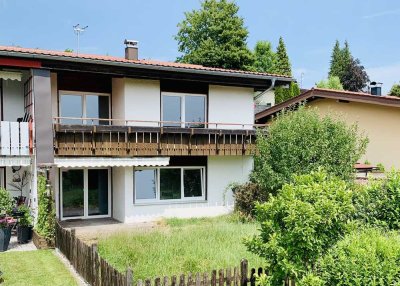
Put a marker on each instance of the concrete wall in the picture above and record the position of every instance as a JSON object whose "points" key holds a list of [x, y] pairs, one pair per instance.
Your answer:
{"points": [[221, 172], [136, 99], [118, 193], [268, 97], [380, 123], [230, 105]]}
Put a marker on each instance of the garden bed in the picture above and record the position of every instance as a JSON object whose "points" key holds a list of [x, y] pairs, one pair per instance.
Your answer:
{"points": [[180, 246]]}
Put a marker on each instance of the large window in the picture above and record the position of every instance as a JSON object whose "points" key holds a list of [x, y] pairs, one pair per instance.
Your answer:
{"points": [[183, 110], [169, 184], [84, 105]]}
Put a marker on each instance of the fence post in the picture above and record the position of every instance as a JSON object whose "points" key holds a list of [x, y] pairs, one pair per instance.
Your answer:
{"points": [[243, 272], [129, 277]]}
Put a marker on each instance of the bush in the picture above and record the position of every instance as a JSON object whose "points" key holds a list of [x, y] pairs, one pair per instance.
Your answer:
{"points": [[299, 224], [45, 225], [246, 196], [378, 204], [6, 202], [301, 141], [366, 258], [333, 82], [283, 93]]}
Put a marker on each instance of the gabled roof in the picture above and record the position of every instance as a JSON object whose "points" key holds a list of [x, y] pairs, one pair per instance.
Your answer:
{"points": [[316, 93], [100, 59]]}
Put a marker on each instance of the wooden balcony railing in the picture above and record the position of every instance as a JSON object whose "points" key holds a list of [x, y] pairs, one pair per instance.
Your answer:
{"points": [[15, 138], [122, 138]]}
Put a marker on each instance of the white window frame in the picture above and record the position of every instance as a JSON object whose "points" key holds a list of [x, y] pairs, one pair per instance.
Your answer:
{"points": [[83, 99], [158, 191], [183, 103], [85, 194]]}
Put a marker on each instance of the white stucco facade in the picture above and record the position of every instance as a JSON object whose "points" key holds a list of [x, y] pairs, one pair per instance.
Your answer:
{"points": [[232, 105], [140, 100], [221, 172]]}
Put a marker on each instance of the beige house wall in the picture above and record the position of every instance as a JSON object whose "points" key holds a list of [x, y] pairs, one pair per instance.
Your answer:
{"points": [[380, 123]]}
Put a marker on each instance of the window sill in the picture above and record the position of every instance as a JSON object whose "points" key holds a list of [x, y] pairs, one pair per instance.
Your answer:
{"points": [[170, 202]]}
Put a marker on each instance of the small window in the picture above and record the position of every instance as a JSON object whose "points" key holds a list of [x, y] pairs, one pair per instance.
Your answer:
{"points": [[145, 184]]}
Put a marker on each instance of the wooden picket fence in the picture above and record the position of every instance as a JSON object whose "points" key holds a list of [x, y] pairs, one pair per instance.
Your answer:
{"points": [[96, 271]]}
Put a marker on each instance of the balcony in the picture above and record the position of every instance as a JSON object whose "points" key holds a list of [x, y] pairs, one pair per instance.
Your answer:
{"points": [[129, 138], [15, 138]]}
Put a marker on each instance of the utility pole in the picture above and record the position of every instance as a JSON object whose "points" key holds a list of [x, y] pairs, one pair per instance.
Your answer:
{"points": [[78, 30]]}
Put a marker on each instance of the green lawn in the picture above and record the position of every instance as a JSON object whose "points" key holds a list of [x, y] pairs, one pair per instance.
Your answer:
{"points": [[41, 267], [182, 246]]}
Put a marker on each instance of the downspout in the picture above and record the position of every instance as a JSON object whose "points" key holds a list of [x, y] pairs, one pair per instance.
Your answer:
{"points": [[265, 91]]}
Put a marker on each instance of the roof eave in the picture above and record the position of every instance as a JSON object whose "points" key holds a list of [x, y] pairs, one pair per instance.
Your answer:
{"points": [[145, 66]]}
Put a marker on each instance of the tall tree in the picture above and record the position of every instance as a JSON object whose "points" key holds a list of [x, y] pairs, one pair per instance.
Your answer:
{"points": [[282, 64], [355, 77], [336, 68], [285, 93], [264, 57], [214, 36], [395, 90]]}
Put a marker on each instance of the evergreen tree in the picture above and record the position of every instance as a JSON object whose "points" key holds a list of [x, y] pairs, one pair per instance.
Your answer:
{"points": [[214, 36], [335, 69], [283, 93], [282, 64], [395, 90], [264, 57]]}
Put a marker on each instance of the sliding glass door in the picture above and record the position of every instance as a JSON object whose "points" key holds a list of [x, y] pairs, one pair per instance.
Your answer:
{"points": [[85, 193]]}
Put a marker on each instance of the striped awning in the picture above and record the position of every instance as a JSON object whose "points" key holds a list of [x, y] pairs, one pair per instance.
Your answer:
{"points": [[9, 161], [110, 162], [9, 75]]}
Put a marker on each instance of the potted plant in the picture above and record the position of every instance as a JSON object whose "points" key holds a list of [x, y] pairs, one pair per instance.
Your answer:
{"points": [[24, 228], [18, 184], [6, 222]]}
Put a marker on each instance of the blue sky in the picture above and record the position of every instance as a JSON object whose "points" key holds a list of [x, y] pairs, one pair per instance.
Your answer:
{"points": [[309, 28]]}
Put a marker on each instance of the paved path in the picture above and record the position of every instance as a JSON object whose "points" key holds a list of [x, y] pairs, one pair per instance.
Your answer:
{"points": [[15, 246], [90, 230]]}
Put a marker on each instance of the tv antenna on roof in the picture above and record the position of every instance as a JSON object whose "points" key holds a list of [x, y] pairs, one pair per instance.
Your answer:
{"points": [[78, 30]]}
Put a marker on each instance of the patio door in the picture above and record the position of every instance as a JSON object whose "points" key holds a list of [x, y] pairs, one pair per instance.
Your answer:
{"points": [[85, 193]]}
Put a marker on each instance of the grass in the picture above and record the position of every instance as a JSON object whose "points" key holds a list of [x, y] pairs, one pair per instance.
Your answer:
{"points": [[40, 267], [181, 246]]}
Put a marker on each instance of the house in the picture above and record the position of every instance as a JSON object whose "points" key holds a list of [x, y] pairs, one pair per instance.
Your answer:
{"points": [[132, 139], [378, 116]]}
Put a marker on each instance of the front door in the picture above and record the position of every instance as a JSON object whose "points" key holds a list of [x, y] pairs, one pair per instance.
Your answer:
{"points": [[85, 193]]}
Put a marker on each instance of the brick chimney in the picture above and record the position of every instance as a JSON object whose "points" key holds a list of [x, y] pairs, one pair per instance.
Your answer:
{"points": [[131, 50]]}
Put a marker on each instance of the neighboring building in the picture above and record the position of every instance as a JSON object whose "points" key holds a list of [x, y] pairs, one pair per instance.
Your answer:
{"points": [[131, 139], [377, 116]]}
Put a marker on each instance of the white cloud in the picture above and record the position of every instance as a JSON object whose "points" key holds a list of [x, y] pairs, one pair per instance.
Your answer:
{"points": [[382, 13], [388, 75]]}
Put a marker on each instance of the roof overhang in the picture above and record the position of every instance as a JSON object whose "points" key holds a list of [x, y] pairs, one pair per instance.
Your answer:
{"points": [[96, 162], [116, 68], [317, 93]]}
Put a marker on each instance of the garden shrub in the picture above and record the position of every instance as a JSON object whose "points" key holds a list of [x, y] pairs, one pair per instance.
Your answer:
{"points": [[369, 257], [378, 203], [45, 225], [299, 224], [6, 202], [298, 142], [246, 196]]}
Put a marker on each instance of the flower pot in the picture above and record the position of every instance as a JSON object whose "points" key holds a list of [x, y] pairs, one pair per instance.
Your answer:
{"points": [[5, 236], [24, 234]]}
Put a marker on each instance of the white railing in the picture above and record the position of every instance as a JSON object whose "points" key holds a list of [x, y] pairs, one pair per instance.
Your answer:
{"points": [[14, 138]]}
